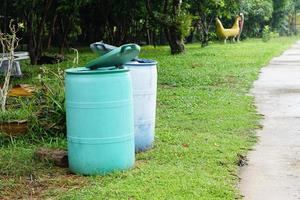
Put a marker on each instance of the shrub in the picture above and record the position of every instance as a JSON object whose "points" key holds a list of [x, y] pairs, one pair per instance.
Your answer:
{"points": [[258, 13], [266, 34], [50, 101]]}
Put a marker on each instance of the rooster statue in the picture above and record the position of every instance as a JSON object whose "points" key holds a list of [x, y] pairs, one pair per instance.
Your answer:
{"points": [[233, 32]]}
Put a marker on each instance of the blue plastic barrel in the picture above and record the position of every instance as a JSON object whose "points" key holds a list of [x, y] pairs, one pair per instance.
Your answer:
{"points": [[100, 127], [144, 83]]}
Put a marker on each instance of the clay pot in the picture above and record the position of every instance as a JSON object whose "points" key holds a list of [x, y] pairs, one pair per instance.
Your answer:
{"points": [[14, 128]]}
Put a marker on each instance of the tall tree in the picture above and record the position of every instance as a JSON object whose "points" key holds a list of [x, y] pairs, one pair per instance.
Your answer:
{"points": [[68, 20], [173, 16], [283, 12], [35, 14], [258, 14]]}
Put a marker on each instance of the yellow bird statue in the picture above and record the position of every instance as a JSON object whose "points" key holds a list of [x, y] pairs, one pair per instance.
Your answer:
{"points": [[233, 32]]}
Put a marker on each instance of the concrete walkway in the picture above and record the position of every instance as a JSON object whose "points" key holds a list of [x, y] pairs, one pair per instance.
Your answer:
{"points": [[273, 172]]}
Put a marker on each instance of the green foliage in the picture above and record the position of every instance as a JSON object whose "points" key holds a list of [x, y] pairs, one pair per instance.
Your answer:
{"points": [[183, 21], [297, 4], [68, 22], [50, 104], [207, 11], [68, 12], [174, 18], [266, 34], [18, 161], [258, 14], [205, 117], [22, 113], [283, 12]]}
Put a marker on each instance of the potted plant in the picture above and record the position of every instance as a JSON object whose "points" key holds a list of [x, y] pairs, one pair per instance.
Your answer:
{"points": [[13, 122]]}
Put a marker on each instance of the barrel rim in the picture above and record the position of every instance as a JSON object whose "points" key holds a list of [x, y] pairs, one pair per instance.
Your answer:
{"points": [[137, 64], [106, 70]]}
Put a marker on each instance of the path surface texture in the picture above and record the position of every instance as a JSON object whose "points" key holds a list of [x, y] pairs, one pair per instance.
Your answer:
{"points": [[273, 170]]}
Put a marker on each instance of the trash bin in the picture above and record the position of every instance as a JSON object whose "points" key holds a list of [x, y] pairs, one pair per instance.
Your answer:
{"points": [[144, 83], [99, 108], [99, 120]]}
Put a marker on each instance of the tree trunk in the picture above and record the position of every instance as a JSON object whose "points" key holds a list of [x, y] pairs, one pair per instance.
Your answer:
{"points": [[174, 36], [172, 32], [162, 37], [35, 35], [190, 38], [205, 37], [205, 23], [32, 41], [52, 31], [31, 50], [63, 44], [175, 40], [40, 33], [65, 31], [148, 33]]}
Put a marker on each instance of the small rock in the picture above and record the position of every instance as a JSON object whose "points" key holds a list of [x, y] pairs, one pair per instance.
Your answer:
{"points": [[58, 156]]}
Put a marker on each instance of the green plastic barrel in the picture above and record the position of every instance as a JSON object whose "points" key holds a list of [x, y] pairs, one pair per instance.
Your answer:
{"points": [[100, 126]]}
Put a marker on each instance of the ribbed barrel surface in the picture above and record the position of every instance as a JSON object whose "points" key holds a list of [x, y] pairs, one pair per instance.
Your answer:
{"points": [[100, 126], [144, 83]]}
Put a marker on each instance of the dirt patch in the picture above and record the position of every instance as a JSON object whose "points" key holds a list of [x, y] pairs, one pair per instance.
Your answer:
{"points": [[31, 187]]}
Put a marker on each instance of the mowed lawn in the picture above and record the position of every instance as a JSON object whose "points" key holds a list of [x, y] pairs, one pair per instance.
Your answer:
{"points": [[206, 122]]}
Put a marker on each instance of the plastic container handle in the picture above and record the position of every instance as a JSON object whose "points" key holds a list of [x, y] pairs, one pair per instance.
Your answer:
{"points": [[101, 45], [126, 47]]}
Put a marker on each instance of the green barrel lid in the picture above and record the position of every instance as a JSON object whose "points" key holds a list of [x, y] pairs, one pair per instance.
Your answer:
{"points": [[116, 57]]}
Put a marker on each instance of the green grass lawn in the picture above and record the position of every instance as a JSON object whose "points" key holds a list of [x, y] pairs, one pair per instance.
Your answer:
{"points": [[205, 121]]}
